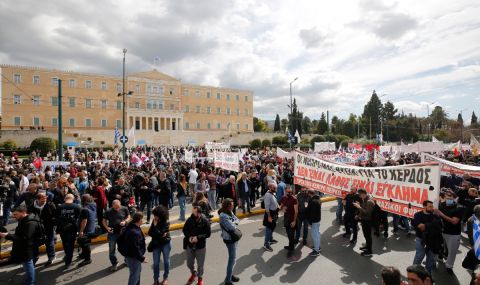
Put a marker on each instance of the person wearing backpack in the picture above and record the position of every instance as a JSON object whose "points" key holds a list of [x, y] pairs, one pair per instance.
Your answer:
{"points": [[45, 210], [229, 225], [67, 220], [24, 246]]}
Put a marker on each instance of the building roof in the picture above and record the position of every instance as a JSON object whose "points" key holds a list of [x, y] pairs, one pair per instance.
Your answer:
{"points": [[153, 74]]}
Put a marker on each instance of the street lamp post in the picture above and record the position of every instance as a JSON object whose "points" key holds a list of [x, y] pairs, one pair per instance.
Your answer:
{"points": [[123, 109]]}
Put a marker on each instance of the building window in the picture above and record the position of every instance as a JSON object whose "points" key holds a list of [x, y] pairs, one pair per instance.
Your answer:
{"points": [[71, 123], [228, 97], [185, 93], [137, 105], [71, 83], [36, 80], [160, 90], [54, 101], [119, 105], [149, 88], [104, 85], [55, 81], [187, 108], [219, 125], [198, 125], [208, 94], [36, 100], [197, 109], [246, 126], [149, 105], [219, 96], [71, 102], [218, 110], [197, 93], [238, 112], [172, 106], [137, 88], [237, 98], [118, 124], [238, 126], [154, 89], [208, 126], [154, 104], [171, 91], [246, 98], [208, 110], [88, 123], [187, 125], [88, 84], [54, 122], [228, 111], [104, 123], [17, 121], [17, 78], [17, 99], [119, 87], [160, 105], [104, 104], [246, 112], [36, 121], [88, 103]]}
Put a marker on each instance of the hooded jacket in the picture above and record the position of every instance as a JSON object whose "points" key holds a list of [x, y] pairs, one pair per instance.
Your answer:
{"points": [[314, 210], [24, 238]]}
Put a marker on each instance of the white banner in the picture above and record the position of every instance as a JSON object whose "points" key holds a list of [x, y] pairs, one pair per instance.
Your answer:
{"points": [[220, 146], [449, 166], [189, 156], [227, 160], [324, 146], [284, 154], [397, 189]]}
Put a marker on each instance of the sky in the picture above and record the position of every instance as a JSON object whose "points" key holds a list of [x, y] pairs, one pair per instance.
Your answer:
{"points": [[413, 53]]}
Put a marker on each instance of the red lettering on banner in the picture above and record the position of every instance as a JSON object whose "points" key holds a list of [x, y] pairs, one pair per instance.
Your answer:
{"points": [[302, 171]]}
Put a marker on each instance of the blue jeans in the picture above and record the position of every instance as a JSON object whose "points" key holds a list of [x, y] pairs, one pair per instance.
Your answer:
{"points": [[181, 204], [420, 252], [165, 250], [68, 242], [149, 207], [302, 222], [50, 243], [232, 255], [6, 214], [245, 203], [112, 244], [135, 269], [397, 219], [316, 237], [339, 211], [268, 236], [212, 199], [29, 269]]}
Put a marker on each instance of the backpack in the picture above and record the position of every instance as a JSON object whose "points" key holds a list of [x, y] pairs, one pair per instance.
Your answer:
{"points": [[122, 242], [40, 234]]}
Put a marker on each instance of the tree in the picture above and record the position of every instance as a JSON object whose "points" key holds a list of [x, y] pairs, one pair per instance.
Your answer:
{"points": [[259, 125], [43, 145], [283, 125], [256, 143], [306, 125], [279, 140], [473, 121], [372, 112], [388, 111], [10, 144], [276, 126], [322, 125], [295, 119], [438, 117], [460, 119], [266, 143]]}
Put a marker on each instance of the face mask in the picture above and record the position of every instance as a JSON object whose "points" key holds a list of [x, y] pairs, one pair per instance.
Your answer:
{"points": [[450, 202]]}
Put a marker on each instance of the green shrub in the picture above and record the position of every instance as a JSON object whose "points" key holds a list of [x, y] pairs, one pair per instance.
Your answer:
{"points": [[43, 145], [279, 140], [316, 139], [266, 143], [10, 144], [256, 143]]}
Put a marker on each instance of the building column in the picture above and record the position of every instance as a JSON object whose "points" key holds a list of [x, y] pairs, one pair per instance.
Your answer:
{"points": [[171, 123], [180, 127]]}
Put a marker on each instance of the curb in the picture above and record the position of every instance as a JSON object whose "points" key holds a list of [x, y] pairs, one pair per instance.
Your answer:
{"points": [[173, 227]]}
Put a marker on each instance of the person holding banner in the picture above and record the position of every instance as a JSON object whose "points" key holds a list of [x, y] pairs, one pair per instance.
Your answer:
{"points": [[365, 211]]}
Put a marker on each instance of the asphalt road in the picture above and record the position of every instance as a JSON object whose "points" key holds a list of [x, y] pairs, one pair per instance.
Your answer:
{"points": [[339, 263]]}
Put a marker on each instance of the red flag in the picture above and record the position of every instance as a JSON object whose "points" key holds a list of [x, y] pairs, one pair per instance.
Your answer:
{"points": [[37, 162]]}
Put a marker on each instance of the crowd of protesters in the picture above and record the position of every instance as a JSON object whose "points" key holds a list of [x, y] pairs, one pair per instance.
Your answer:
{"points": [[97, 194]]}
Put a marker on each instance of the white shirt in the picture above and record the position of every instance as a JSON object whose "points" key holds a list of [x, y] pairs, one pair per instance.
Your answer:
{"points": [[23, 184], [192, 176]]}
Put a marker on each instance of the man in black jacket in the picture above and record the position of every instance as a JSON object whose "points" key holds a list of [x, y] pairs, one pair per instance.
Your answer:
{"points": [[45, 210], [196, 230], [24, 246], [314, 215], [351, 224], [68, 214], [134, 248]]}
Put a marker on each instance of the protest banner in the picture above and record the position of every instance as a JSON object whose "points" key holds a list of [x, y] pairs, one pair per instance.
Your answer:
{"points": [[226, 160], [324, 146], [189, 156], [220, 146], [448, 167], [284, 154], [397, 189]]}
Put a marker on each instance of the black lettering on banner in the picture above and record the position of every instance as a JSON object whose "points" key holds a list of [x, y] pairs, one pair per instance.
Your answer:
{"points": [[427, 176], [400, 175], [412, 176], [384, 173], [393, 173], [406, 174], [420, 175]]}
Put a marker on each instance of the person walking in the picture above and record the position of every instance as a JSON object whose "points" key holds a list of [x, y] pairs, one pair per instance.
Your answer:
{"points": [[244, 188], [365, 211], [114, 220], [290, 204], [271, 215], [68, 214], [182, 195], [302, 221], [314, 215], [196, 231], [24, 245], [161, 243], [229, 224], [86, 228], [212, 193], [134, 248], [351, 212]]}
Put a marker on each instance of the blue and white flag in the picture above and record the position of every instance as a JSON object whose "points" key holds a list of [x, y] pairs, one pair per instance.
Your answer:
{"points": [[476, 236], [117, 136], [290, 138]]}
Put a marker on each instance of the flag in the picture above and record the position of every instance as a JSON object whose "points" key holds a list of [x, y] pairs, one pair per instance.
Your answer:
{"points": [[116, 136], [136, 160], [131, 134], [290, 138], [476, 236], [297, 135], [144, 158], [434, 139], [37, 162]]}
